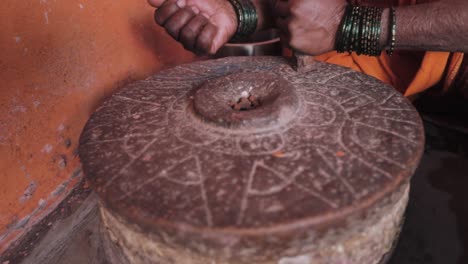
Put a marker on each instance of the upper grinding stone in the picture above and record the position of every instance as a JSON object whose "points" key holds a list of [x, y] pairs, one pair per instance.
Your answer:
{"points": [[250, 144]]}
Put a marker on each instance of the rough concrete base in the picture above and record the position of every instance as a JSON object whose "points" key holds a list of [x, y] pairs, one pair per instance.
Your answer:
{"points": [[70, 240], [370, 245]]}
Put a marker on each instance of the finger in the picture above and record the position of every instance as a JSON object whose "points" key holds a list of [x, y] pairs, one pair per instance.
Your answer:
{"points": [[189, 33], [177, 21], [156, 3], [205, 39], [281, 8], [163, 13]]}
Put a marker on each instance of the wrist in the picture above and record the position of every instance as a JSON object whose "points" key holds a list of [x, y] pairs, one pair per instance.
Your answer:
{"points": [[233, 20], [384, 29]]}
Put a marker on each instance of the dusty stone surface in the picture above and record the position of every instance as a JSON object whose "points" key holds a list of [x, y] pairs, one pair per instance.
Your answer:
{"points": [[321, 148]]}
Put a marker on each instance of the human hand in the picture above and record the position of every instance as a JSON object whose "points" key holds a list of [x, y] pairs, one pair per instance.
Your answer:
{"points": [[309, 26], [201, 26]]}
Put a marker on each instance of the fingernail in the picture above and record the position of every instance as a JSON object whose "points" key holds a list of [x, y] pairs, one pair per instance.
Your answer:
{"points": [[180, 3], [195, 10]]}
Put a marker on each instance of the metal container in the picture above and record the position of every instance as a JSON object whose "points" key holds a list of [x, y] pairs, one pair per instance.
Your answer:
{"points": [[263, 43]]}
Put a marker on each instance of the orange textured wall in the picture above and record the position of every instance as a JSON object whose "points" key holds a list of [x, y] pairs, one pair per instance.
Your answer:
{"points": [[58, 60]]}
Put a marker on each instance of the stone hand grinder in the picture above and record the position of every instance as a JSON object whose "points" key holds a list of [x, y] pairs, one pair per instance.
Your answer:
{"points": [[246, 160]]}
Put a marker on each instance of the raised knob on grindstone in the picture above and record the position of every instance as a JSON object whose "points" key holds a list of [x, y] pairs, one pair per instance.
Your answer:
{"points": [[246, 101]]}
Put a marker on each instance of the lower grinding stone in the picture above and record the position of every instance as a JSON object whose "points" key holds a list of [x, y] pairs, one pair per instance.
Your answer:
{"points": [[244, 160]]}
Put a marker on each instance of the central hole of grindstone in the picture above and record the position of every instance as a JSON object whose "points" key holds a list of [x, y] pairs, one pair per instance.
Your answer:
{"points": [[246, 102]]}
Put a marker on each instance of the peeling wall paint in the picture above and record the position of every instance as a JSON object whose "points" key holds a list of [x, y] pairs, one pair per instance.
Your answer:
{"points": [[60, 59]]}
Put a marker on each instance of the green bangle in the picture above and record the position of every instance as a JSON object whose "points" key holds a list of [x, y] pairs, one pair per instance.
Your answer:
{"points": [[360, 31], [246, 17], [392, 37]]}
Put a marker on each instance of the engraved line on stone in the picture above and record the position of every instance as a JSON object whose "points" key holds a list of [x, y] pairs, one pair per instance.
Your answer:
{"points": [[386, 131], [378, 155], [162, 174], [353, 91], [206, 207], [126, 137], [392, 108], [280, 187], [316, 195], [348, 150], [127, 149], [333, 100], [385, 100], [391, 119], [334, 76], [132, 160], [350, 110], [337, 174], [350, 99], [396, 109], [278, 148], [195, 144], [369, 165], [93, 128], [327, 123], [311, 192], [135, 100], [244, 201]]}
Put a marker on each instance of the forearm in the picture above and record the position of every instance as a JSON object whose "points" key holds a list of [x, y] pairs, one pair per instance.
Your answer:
{"points": [[436, 26]]}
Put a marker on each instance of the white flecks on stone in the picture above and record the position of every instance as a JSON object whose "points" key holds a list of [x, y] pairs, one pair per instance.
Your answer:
{"points": [[36, 103], [274, 208], [221, 193], [81, 6], [245, 94], [295, 260], [340, 248], [47, 148], [17, 39]]}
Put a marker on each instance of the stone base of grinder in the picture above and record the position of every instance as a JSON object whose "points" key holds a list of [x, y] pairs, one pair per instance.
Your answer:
{"points": [[364, 242]]}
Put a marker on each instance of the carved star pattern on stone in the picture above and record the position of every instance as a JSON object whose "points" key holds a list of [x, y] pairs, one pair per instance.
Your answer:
{"points": [[348, 138]]}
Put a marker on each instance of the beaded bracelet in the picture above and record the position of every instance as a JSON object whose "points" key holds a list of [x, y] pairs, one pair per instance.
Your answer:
{"points": [[247, 19], [392, 37], [360, 31]]}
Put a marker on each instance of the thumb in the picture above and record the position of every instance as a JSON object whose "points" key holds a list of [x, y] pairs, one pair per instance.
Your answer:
{"points": [[221, 38], [156, 3]]}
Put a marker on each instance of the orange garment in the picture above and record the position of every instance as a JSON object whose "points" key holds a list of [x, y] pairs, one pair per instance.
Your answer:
{"points": [[409, 72]]}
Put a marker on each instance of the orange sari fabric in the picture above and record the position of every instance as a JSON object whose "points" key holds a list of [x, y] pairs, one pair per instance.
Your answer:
{"points": [[409, 72]]}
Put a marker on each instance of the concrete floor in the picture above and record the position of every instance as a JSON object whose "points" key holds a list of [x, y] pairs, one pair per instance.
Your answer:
{"points": [[436, 225]]}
